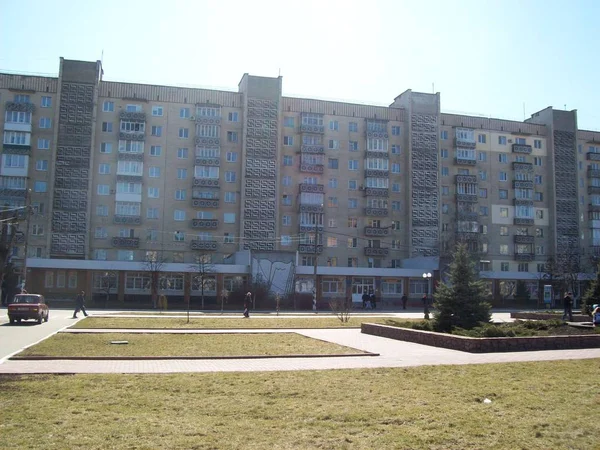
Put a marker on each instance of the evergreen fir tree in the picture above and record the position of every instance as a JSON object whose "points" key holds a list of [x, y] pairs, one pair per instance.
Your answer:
{"points": [[592, 295], [462, 302]]}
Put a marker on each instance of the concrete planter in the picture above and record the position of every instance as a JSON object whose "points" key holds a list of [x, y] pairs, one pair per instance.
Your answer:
{"points": [[482, 345], [547, 316]]}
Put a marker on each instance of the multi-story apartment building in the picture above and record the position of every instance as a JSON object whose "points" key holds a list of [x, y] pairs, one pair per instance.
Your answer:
{"points": [[357, 197]]}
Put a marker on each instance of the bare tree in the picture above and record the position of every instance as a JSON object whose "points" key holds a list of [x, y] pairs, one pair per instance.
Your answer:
{"points": [[572, 264], [507, 288], [341, 307], [154, 265], [204, 270], [108, 282]]}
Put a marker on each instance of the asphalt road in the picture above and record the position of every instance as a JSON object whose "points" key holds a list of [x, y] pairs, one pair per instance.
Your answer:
{"points": [[15, 337]]}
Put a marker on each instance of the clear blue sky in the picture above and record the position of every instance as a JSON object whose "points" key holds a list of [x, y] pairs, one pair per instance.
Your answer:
{"points": [[485, 57]]}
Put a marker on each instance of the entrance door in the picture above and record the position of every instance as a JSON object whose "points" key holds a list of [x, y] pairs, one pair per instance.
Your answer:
{"points": [[361, 286]]}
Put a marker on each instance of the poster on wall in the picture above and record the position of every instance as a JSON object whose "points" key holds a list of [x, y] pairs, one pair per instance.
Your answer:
{"points": [[547, 295]]}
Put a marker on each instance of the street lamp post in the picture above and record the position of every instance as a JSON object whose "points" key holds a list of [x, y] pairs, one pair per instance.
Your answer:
{"points": [[427, 278]]}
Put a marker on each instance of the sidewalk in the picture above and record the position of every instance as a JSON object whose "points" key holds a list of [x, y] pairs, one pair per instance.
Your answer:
{"points": [[392, 354]]}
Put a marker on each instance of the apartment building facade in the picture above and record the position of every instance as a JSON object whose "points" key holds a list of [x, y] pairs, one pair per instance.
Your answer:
{"points": [[358, 197]]}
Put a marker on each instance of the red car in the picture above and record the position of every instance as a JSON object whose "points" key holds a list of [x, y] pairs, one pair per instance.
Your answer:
{"points": [[28, 306]]}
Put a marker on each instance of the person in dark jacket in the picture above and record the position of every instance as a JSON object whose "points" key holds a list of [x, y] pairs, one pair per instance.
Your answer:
{"points": [[404, 301], [568, 307], [365, 297], [79, 305], [373, 299], [247, 301]]}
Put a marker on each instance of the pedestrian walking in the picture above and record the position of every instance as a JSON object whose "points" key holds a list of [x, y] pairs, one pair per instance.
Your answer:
{"points": [[425, 306], [596, 316], [568, 306], [404, 301], [80, 305], [247, 301], [365, 297], [373, 299]]}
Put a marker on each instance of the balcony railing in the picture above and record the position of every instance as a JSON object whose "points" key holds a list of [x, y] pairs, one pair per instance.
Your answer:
{"points": [[467, 235], [524, 256], [591, 156], [521, 148], [376, 192], [523, 221], [205, 202], [198, 244], [465, 161], [522, 167], [377, 134], [464, 143], [522, 184], [206, 182], [17, 106], [127, 220], [16, 149], [376, 173], [135, 177], [311, 168], [9, 192], [593, 173], [376, 251], [309, 228], [593, 208], [468, 215], [205, 141], [310, 208], [124, 242], [377, 154], [522, 202], [317, 129], [205, 223], [317, 149], [468, 198], [376, 212], [314, 188], [132, 116], [132, 135], [471, 179], [593, 189], [521, 239], [309, 248], [377, 231], [207, 161], [129, 156]]}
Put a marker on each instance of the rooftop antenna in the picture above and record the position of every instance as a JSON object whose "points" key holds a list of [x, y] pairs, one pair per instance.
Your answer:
{"points": [[279, 72], [433, 88], [524, 112]]}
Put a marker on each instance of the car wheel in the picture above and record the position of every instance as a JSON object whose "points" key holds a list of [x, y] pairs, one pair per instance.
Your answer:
{"points": [[19, 320], [40, 319], [47, 317], [11, 320]]}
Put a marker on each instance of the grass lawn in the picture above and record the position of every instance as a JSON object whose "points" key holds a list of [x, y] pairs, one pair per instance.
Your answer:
{"points": [[224, 323], [70, 344], [538, 405]]}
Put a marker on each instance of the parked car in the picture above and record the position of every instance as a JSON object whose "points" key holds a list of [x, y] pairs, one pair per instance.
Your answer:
{"points": [[28, 306]]}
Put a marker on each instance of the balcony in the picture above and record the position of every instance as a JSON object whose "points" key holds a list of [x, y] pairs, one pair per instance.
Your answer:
{"points": [[376, 192], [8, 192], [123, 242], [591, 156], [16, 149], [380, 134], [127, 220], [593, 208], [206, 182], [593, 223], [309, 228], [464, 143], [522, 202], [520, 239], [311, 168], [17, 106], [524, 256], [314, 188], [311, 208], [465, 162], [205, 202], [376, 251], [18, 126], [376, 173], [316, 129], [467, 236], [471, 216], [135, 177], [197, 244], [201, 161], [376, 212], [522, 184], [315, 149], [132, 116], [522, 167], [521, 148], [205, 223], [377, 154], [377, 231], [471, 179], [208, 120], [129, 156], [207, 141], [593, 189], [467, 198], [309, 248], [592, 173], [523, 221]]}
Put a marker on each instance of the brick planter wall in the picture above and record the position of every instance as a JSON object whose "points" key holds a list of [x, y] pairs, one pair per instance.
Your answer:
{"points": [[482, 345], [547, 316]]}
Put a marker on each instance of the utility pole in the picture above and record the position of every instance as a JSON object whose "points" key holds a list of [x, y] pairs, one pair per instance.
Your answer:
{"points": [[315, 262], [26, 244]]}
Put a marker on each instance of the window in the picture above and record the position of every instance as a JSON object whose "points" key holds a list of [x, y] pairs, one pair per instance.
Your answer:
{"points": [[288, 141], [229, 197], [444, 135], [182, 153], [286, 200], [125, 255], [482, 156], [184, 133], [352, 222], [395, 130], [502, 157], [40, 186], [286, 180], [181, 173], [232, 136], [154, 172], [395, 206], [230, 177], [108, 106], [288, 122], [537, 161], [503, 212], [539, 213], [184, 113], [444, 153], [334, 125], [46, 102], [153, 192], [286, 241], [133, 108], [501, 140], [333, 183], [521, 158], [539, 232], [504, 267], [502, 194], [523, 267], [157, 110], [156, 130], [538, 179], [445, 171], [43, 144], [178, 236], [504, 249], [286, 220], [395, 167], [14, 161], [483, 193], [332, 223], [231, 156], [353, 146], [100, 233], [396, 188], [353, 164], [104, 169], [481, 138], [444, 208], [537, 143], [179, 215], [232, 116], [103, 189], [520, 141], [332, 241], [105, 147], [539, 250], [332, 202], [483, 211], [180, 194], [102, 210], [539, 197], [152, 213], [396, 149], [288, 160], [353, 127], [37, 230], [352, 203], [229, 218], [483, 175], [107, 127], [334, 144], [155, 150], [332, 163]]}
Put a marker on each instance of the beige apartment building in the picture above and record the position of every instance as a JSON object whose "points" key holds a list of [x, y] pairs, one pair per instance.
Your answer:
{"points": [[258, 185]]}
